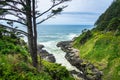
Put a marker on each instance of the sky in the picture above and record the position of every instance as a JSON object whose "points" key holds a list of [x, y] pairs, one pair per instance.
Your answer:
{"points": [[78, 11]]}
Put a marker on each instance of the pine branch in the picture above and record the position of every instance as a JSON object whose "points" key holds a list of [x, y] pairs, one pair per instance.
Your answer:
{"points": [[16, 15], [12, 21], [14, 29], [51, 15], [54, 5], [15, 8], [46, 18], [12, 1], [10, 9]]}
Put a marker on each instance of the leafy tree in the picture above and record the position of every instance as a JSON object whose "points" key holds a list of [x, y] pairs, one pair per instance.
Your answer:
{"points": [[86, 34], [114, 24], [112, 12], [26, 13]]}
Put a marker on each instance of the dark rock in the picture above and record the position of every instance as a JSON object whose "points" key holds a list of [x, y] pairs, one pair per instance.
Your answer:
{"points": [[45, 54], [63, 43], [73, 72], [78, 74], [40, 46], [50, 58], [72, 55]]}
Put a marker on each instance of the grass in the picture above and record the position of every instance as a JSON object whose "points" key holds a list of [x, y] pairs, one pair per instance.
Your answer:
{"points": [[15, 67], [103, 50]]}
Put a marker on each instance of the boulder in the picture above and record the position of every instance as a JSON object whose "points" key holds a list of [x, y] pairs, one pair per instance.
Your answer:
{"points": [[45, 54], [40, 46], [50, 58]]}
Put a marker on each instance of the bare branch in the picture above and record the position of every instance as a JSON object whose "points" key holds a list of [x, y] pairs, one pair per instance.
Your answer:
{"points": [[16, 15], [22, 32], [46, 18], [13, 1], [54, 5], [49, 16], [13, 21], [12, 6], [10, 9], [23, 3]]}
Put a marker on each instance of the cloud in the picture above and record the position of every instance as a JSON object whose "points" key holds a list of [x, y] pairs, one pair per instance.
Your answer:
{"points": [[74, 18], [88, 5], [78, 11]]}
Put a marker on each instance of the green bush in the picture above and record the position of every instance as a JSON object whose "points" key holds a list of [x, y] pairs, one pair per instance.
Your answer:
{"points": [[56, 71], [102, 25], [14, 64], [113, 24], [85, 36], [11, 48], [39, 76], [20, 71], [105, 19], [22, 66], [103, 50], [5, 51]]}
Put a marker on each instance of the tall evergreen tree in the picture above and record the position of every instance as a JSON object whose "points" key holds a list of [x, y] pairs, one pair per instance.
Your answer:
{"points": [[25, 13]]}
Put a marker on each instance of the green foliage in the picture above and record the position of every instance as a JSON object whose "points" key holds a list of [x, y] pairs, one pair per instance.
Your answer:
{"points": [[107, 18], [57, 11], [2, 11], [19, 70], [86, 35], [56, 71], [39, 76], [10, 48], [15, 63], [13, 68], [103, 50], [102, 25], [114, 24], [10, 44]]}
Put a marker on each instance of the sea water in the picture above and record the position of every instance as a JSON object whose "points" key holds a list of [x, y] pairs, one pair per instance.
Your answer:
{"points": [[50, 35]]}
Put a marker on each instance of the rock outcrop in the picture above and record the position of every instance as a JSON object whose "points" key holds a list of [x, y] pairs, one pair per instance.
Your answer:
{"points": [[89, 71], [44, 54]]}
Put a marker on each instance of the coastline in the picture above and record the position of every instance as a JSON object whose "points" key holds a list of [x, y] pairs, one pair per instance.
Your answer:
{"points": [[88, 70]]}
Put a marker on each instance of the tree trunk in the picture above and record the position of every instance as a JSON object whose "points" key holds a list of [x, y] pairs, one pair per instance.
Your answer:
{"points": [[35, 33], [30, 33]]}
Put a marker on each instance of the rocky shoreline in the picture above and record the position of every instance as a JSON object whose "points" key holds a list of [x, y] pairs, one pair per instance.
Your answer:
{"points": [[45, 54], [89, 71]]}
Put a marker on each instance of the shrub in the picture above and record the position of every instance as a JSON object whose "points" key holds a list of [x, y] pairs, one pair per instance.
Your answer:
{"points": [[5, 51], [56, 71], [102, 26], [85, 36], [114, 24]]}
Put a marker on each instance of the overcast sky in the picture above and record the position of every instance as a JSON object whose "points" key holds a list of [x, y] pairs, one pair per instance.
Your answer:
{"points": [[78, 11]]}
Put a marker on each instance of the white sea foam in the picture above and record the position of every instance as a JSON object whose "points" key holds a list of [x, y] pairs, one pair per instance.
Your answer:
{"points": [[72, 35], [51, 47]]}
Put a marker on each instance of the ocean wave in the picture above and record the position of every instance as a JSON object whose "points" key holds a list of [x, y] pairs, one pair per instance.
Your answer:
{"points": [[51, 47], [49, 38], [71, 36]]}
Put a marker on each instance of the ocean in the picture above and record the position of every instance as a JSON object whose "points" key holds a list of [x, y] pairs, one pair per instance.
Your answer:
{"points": [[50, 35]]}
